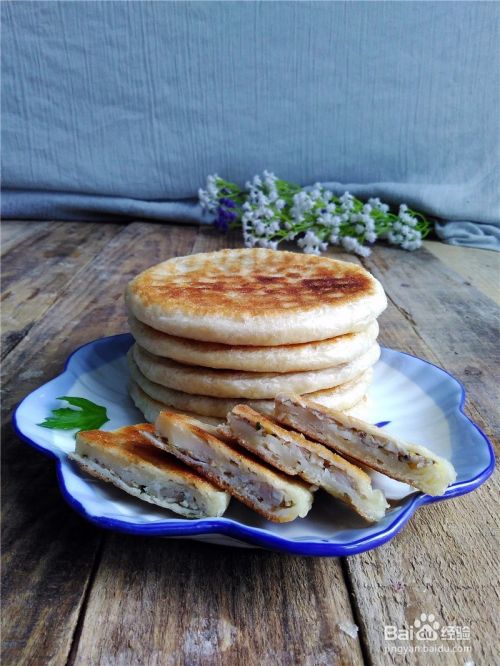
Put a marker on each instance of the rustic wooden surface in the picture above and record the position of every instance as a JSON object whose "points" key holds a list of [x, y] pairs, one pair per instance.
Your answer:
{"points": [[75, 594]]}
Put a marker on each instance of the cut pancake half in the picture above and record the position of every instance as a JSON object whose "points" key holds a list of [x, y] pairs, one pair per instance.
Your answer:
{"points": [[255, 297], [340, 397], [266, 491], [285, 358], [367, 444], [127, 459], [252, 385], [293, 454]]}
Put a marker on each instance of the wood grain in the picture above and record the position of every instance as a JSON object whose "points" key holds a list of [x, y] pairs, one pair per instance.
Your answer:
{"points": [[169, 602], [49, 552], [481, 267], [63, 250], [446, 561], [13, 232]]}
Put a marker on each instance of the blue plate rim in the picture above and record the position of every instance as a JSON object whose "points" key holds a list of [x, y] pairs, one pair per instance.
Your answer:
{"points": [[178, 528]]}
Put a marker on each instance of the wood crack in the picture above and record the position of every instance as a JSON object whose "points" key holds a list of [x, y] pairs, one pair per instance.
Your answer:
{"points": [[77, 632], [356, 612]]}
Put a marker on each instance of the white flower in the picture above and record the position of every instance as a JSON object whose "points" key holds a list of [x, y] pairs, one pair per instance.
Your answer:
{"points": [[347, 201], [209, 198], [302, 203], [205, 200], [325, 219], [311, 243], [370, 224], [349, 243], [408, 219], [378, 205], [362, 250], [280, 204], [353, 245]]}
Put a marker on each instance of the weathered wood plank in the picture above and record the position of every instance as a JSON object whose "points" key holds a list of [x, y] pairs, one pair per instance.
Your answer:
{"points": [[445, 561], [48, 551], [48, 555], [13, 232], [168, 602], [479, 267], [28, 290]]}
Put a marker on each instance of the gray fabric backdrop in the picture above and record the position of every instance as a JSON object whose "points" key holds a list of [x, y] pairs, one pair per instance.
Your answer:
{"points": [[123, 108]]}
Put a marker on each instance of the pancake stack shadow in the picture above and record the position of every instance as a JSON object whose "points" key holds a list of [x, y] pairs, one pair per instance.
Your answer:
{"points": [[240, 326]]}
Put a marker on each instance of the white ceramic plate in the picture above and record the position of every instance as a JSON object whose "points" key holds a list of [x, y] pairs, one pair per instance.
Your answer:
{"points": [[410, 397]]}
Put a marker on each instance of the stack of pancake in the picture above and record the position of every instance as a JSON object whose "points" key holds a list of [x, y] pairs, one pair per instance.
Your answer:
{"points": [[218, 329]]}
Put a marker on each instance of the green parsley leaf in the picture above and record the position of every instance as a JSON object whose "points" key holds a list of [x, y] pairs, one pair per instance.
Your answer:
{"points": [[86, 416]]}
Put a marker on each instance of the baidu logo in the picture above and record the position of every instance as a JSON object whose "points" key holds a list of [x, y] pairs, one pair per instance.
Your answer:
{"points": [[426, 627]]}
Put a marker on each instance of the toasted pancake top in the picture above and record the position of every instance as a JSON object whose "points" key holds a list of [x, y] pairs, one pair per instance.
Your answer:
{"points": [[246, 282]]}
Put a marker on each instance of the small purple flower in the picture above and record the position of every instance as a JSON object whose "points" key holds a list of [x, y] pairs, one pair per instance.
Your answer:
{"points": [[224, 218], [228, 203]]}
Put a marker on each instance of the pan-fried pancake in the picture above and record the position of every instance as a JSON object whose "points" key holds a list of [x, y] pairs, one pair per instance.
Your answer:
{"points": [[265, 490], [252, 385], [284, 358], [255, 297], [150, 407], [127, 459], [293, 454], [367, 444], [340, 397]]}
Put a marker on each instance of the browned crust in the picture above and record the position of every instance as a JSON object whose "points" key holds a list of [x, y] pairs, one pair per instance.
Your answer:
{"points": [[246, 283], [135, 448]]}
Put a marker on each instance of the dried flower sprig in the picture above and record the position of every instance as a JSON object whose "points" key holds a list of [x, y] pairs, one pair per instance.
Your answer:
{"points": [[270, 211]]}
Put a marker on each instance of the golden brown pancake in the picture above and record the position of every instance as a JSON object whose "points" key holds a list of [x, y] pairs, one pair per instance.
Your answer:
{"points": [[280, 358], [252, 385], [340, 397], [128, 460], [255, 297]]}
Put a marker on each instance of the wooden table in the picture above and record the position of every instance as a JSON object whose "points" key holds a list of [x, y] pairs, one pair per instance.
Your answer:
{"points": [[76, 594]]}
